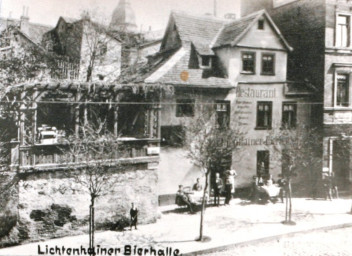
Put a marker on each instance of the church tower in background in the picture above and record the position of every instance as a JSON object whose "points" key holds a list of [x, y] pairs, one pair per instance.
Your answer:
{"points": [[123, 18]]}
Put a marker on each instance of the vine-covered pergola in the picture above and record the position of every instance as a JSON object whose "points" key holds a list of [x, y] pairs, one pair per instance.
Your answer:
{"points": [[129, 112]]}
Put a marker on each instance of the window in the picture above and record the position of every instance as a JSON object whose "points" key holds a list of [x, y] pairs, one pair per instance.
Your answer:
{"points": [[289, 113], [342, 88], [261, 24], [264, 113], [223, 114], [343, 31], [268, 64], [206, 61], [248, 62], [185, 108], [102, 49], [172, 136], [263, 157]]}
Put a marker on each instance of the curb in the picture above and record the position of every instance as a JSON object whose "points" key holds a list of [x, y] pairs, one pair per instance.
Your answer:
{"points": [[265, 239]]}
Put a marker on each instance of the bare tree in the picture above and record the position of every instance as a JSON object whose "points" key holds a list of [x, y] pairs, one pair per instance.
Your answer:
{"points": [[92, 160], [209, 144], [299, 151]]}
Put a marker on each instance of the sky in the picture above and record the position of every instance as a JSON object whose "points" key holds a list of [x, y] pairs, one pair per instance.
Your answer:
{"points": [[152, 13]]}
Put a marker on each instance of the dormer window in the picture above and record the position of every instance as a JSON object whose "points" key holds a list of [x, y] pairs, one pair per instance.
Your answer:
{"points": [[261, 24], [206, 62]]}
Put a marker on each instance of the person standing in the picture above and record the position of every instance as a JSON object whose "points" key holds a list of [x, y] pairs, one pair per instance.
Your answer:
{"points": [[217, 189], [232, 174], [134, 216], [228, 189]]}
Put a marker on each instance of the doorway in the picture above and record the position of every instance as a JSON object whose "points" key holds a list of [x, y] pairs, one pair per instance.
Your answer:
{"points": [[341, 162]]}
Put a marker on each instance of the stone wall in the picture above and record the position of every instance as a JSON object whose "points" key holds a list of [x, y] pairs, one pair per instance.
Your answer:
{"points": [[50, 204]]}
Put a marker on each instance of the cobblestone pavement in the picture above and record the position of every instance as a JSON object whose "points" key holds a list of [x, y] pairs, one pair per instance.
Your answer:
{"points": [[323, 243]]}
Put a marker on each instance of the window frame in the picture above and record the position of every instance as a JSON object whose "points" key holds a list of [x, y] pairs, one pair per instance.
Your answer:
{"points": [[336, 80], [227, 105], [267, 54], [261, 24], [183, 102], [266, 166], [283, 125], [269, 127], [254, 63], [210, 60], [349, 30]]}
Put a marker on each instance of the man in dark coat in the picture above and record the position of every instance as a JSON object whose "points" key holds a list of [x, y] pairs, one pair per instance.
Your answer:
{"points": [[217, 189], [134, 216]]}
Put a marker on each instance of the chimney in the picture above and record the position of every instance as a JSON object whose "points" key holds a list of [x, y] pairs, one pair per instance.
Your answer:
{"points": [[24, 21]]}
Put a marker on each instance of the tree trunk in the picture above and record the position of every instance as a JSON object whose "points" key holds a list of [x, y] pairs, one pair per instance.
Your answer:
{"points": [[90, 226], [203, 207], [286, 204], [290, 200], [93, 223]]}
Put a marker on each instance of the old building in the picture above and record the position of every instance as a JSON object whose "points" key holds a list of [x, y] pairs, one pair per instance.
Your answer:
{"points": [[94, 51], [236, 66], [319, 31]]}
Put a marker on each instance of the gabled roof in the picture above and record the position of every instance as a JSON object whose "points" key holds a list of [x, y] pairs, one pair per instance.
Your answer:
{"points": [[200, 30], [69, 19], [170, 73], [35, 31], [232, 33]]}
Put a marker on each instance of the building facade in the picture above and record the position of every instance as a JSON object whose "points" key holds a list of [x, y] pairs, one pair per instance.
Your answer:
{"points": [[235, 67], [319, 30]]}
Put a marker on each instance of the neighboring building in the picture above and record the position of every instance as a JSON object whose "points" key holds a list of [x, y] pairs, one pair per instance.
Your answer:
{"points": [[32, 31], [93, 51], [320, 32], [238, 66], [39, 125]]}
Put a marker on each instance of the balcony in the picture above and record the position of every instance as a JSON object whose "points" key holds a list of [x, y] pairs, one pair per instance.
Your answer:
{"points": [[44, 157]]}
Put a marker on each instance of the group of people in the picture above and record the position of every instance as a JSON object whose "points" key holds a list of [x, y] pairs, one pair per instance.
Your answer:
{"points": [[264, 188], [228, 186], [183, 198]]}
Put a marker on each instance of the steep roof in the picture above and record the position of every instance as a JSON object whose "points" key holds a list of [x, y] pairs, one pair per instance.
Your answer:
{"points": [[232, 33], [35, 31], [178, 64], [199, 33], [200, 30]]}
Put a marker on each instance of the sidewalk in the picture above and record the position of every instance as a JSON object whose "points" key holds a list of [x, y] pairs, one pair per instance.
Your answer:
{"points": [[226, 225]]}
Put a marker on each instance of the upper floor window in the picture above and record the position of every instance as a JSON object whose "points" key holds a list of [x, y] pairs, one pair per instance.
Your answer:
{"points": [[342, 90], [248, 62], [264, 114], [343, 31], [268, 64], [261, 24], [223, 114], [289, 114], [185, 107], [205, 62]]}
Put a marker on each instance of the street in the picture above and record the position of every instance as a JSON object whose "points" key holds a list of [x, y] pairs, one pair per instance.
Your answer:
{"points": [[329, 243]]}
